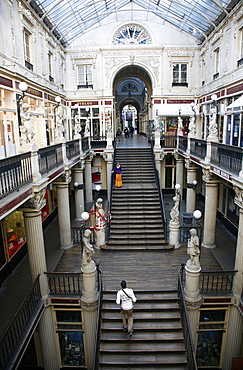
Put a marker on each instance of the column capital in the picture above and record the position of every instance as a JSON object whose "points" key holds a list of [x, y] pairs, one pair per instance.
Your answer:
{"points": [[189, 165], [209, 177], [178, 157], [239, 197], [108, 155]]}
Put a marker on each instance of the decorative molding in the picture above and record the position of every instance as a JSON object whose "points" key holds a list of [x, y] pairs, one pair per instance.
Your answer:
{"points": [[38, 201], [238, 197], [180, 53]]}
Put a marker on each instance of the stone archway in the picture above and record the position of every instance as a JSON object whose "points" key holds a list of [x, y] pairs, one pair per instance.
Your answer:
{"points": [[132, 86]]}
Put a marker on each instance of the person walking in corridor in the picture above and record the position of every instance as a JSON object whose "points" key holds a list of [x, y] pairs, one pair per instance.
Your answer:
{"points": [[118, 173], [126, 298]]}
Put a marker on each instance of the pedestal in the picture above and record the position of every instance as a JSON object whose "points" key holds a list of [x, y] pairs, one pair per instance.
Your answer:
{"points": [[89, 303], [174, 234], [64, 215]]}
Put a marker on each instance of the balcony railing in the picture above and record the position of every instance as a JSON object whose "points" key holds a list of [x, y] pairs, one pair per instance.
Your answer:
{"points": [[216, 282], [20, 327], [85, 144], [72, 149], [50, 158], [15, 172], [64, 283], [182, 144], [227, 157], [168, 141], [198, 148]]}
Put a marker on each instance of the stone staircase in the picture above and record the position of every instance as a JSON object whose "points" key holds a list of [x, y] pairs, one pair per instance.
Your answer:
{"points": [[157, 341], [136, 220]]}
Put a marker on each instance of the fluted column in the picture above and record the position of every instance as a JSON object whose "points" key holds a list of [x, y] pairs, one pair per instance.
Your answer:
{"points": [[238, 279], [89, 303], [108, 157], [191, 193], [88, 180], [64, 221], [180, 173], [210, 211], [79, 193], [48, 340], [37, 261]]}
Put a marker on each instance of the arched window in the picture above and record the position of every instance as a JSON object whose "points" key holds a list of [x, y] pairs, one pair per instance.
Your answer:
{"points": [[131, 34]]}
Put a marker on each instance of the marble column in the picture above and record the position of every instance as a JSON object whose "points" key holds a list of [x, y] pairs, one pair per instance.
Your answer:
{"points": [[79, 193], [180, 173], [238, 280], [108, 157], [89, 303], [191, 193], [37, 261], [88, 180], [192, 295], [64, 221], [210, 211]]}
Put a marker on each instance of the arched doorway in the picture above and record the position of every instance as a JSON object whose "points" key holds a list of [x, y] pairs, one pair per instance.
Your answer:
{"points": [[132, 89]]}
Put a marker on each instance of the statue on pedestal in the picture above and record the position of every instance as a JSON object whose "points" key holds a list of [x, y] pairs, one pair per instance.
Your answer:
{"points": [[26, 127], [77, 126], [213, 127], [59, 129], [100, 223], [193, 248], [174, 213], [88, 249], [192, 127], [180, 126]]}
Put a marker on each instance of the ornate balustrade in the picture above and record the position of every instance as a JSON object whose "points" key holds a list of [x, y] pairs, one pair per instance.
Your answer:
{"points": [[216, 282], [50, 158], [198, 148], [20, 326], [15, 172], [227, 157], [72, 149], [64, 283]]}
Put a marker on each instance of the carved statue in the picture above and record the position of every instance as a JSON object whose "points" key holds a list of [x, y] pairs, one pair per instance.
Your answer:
{"points": [[88, 249], [77, 126], [180, 126], [193, 248], [59, 129], [192, 127], [100, 213], [26, 127], [86, 130], [213, 127], [156, 125], [174, 213]]}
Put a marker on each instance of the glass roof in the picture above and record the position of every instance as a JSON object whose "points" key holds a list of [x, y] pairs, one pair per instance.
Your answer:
{"points": [[68, 19]]}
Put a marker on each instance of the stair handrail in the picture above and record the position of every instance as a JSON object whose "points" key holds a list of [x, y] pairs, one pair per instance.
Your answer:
{"points": [[161, 200], [98, 322], [108, 227], [191, 359]]}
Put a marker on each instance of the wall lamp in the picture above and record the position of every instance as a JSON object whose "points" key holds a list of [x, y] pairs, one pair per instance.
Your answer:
{"points": [[78, 186], [192, 185], [23, 87]]}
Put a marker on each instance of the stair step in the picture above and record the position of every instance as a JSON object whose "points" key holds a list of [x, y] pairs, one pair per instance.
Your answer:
{"points": [[143, 366], [170, 315], [143, 358], [144, 327]]}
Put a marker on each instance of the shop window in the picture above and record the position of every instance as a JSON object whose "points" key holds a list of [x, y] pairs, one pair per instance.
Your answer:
{"points": [[179, 74], [212, 325], [85, 78], [169, 171], [70, 335], [15, 232]]}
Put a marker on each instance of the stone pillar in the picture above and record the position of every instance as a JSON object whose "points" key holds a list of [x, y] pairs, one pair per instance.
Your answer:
{"points": [[191, 193], [192, 295], [89, 303], [238, 280], [37, 261], [108, 157], [157, 140], [158, 156], [88, 180], [64, 221], [48, 340], [180, 173], [79, 193], [174, 233], [210, 211]]}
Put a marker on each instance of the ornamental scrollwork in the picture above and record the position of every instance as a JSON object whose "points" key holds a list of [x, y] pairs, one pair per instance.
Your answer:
{"points": [[238, 197], [38, 201]]}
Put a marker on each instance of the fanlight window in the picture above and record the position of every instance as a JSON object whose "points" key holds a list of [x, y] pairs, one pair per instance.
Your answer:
{"points": [[131, 35]]}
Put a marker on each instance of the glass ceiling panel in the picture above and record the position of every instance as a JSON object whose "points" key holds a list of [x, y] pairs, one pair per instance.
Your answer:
{"points": [[71, 18]]}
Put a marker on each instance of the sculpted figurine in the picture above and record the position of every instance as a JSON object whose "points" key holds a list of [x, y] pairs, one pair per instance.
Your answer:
{"points": [[193, 247], [213, 127], [88, 249], [174, 213], [27, 127], [192, 127], [59, 130]]}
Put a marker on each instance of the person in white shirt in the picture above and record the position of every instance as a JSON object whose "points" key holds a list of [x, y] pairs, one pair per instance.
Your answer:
{"points": [[125, 297]]}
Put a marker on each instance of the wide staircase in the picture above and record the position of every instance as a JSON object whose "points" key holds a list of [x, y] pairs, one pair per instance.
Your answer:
{"points": [[157, 341], [136, 217]]}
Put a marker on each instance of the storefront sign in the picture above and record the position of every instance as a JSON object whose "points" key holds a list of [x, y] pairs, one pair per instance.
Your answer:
{"points": [[221, 173], [180, 101], [34, 92], [6, 82], [85, 103]]}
